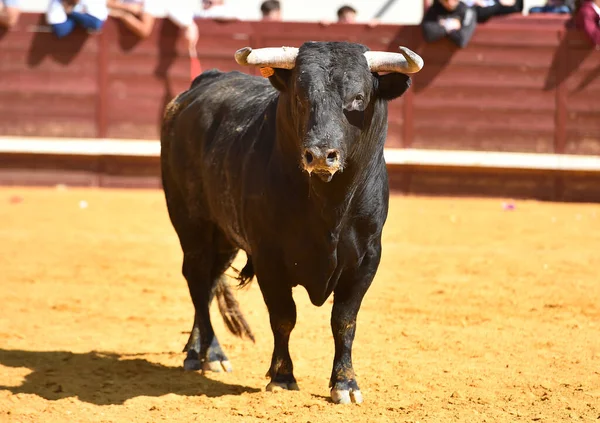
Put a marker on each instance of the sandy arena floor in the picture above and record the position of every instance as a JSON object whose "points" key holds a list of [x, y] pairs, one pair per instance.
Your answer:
{"points": [[477, 314]]}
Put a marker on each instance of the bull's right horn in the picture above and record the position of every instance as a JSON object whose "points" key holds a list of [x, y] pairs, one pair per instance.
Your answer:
{"points": [[406, 61], [275, 57]]}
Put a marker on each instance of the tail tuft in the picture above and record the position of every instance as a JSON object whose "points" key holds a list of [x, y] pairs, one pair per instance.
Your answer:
{"points": [[230, 310]]}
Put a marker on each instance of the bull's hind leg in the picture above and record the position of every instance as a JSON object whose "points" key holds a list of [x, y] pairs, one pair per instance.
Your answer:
{"points": [[203, 269]]}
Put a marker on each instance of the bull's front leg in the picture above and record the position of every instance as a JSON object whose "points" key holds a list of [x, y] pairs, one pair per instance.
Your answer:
{"points": [[282, 315], [347, 299]]}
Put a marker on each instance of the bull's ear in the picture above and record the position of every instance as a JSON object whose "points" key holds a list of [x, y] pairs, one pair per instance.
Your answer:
{"points": [[391, 85], [280, 79]]}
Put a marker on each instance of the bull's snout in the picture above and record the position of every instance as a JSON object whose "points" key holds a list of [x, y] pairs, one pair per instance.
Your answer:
{"points": [[322, 162]]}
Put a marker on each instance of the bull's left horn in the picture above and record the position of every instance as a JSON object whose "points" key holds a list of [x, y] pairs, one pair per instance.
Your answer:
{"points": [[406, 61], [279, 57]]}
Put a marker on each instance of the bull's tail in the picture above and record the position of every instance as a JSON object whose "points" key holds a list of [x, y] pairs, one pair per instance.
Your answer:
{"points": [[245, 275], [230, 310]]}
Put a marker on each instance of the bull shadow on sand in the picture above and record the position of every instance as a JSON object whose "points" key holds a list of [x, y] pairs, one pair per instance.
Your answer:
{"points": [[105, 378]]}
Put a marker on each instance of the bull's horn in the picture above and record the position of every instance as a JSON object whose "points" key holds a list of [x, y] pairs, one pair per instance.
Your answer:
{"points": [[279, 57], [406, 61]]}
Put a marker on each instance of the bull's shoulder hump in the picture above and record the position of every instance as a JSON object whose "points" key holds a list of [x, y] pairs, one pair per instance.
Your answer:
{"points": [[215, 76]]}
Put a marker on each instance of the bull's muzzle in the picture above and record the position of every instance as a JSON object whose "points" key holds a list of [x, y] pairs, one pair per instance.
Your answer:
{"points": [[324, 163]]}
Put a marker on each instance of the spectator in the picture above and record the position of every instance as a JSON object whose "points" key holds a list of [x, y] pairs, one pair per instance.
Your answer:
{"points": [[449, 18], [346, 14], [587, 18], [485, 9], [551, 6], [63, 15], [216, 9], [271, 10], [9, 13], [139, 16]]}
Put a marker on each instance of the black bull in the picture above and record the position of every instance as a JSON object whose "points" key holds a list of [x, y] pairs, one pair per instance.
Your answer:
{"points": [[291, 170]]}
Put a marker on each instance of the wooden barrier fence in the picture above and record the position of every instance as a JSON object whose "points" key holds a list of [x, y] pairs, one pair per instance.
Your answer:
{"points": [[523, 85]]}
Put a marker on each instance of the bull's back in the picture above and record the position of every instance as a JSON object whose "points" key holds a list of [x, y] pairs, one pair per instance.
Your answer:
{"points": [[208, 134]]}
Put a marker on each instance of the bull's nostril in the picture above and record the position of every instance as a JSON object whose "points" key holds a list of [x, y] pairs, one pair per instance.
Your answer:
{"points": [[332, 157], [309, 157]]}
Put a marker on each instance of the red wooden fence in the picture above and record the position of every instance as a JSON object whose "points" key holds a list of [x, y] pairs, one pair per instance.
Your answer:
{"points": [[524, 84]]}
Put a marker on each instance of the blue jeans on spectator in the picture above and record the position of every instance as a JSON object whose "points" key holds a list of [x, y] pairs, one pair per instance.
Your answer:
{"points": [[550, 9], [87, 21]]}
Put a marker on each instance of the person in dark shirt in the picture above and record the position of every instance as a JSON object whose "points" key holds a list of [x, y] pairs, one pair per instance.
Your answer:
{"points": [[552, 6], [486, 9], [449, 18]]}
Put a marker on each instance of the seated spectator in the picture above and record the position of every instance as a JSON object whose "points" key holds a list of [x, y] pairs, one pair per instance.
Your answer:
{"points": [[587, 18], [346, 14], [552, 6], [63, 15], [271, 10], [449, 18], [216, 9], [9, 13], [486, 9], [139, 16]]}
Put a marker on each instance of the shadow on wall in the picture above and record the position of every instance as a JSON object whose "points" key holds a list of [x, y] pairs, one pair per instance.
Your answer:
{"points": [[167, 54], [103, 378], [127, 40], [47, 44], [436, 55], [572, 51]]}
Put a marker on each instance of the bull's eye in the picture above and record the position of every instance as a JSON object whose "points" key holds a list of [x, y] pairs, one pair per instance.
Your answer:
{"points": [[359, 97]]}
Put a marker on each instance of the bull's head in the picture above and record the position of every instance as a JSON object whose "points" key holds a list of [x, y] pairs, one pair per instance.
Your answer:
{"points": [[332, 93]]}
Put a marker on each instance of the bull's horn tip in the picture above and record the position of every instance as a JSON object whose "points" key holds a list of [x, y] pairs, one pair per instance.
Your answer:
{"points": [[413, 58], [241, 56]]}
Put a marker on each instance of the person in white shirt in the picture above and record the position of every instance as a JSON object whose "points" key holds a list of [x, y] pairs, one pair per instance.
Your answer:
{"points": [[216, 9], [9, 13], [139, 16], [63, 15]]}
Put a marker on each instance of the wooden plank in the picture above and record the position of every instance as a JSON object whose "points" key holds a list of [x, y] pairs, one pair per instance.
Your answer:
{"points": [[47, 83], [481, 184], [102, 92], [501, 76], [514, 35], [47, 105], [60, 126], [489, 98], [499, 55], [560, 116], [466, 137], [483, 119]]}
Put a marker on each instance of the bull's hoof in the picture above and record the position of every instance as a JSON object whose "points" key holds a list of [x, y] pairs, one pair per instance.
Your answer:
{"points": [[282, 386], [346, 396], [192, 364], [217, 366]]}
